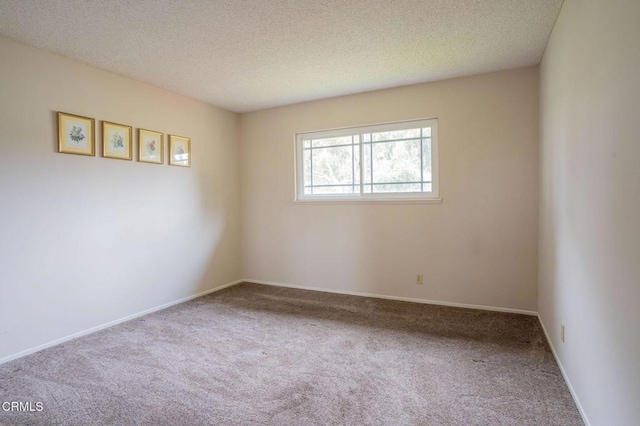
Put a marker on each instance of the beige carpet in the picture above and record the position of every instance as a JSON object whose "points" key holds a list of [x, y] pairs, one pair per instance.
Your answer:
{"points": [[258, 355]]}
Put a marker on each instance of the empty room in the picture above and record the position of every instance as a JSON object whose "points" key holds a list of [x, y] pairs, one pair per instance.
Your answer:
{"points": [[305, 212]]}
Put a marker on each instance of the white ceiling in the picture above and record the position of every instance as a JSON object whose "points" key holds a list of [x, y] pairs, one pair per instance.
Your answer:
{"points": [[246, 55]]}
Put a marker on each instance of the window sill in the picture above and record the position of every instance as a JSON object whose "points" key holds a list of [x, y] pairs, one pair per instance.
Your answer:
{"points": [[370, 201]]}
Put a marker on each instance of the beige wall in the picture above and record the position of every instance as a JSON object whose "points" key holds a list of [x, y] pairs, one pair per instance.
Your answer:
{"points": [[478, 247], [590, 204], [88, 240]]}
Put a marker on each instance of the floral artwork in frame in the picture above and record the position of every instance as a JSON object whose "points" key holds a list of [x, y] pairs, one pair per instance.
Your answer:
{"points": [[76, 134], [117, 141], [179, 151], [150, 146]]}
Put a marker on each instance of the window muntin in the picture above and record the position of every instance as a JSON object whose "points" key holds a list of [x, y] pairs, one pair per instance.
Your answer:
{"points": [[399, 161]]}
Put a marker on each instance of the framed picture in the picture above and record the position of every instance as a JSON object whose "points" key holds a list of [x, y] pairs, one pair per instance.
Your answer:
{"points": [[76, 134], [179, 151], [150, 146], [117, 141]]}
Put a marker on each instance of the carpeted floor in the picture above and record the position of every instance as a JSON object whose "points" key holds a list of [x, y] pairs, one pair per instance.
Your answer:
{"points": [[259, 355]]}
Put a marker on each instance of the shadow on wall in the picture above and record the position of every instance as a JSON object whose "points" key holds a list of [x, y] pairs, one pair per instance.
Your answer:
{"points": [[218, 206]]}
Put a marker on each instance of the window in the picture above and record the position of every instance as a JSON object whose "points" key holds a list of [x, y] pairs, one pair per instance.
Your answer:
{"points": [[379, 162]]}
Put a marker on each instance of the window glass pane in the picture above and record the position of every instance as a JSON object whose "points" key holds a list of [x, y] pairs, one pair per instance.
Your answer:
{"points": [[319, 190], [306, 161], [426, 159], [356, 165], [319, 143], [396, 161], [366, 163], [397, 187], [396, 134], [386, 161], [332, 166]]}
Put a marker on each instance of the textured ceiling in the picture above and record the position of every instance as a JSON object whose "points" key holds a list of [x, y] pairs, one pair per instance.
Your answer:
{"points": [[246, 55]]}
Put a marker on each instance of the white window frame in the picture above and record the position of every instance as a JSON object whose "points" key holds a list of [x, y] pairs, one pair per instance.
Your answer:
{"points": [[433, 196]]}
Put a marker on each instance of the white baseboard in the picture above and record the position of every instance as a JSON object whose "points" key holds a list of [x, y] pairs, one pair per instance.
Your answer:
{"points": [[404, 299], [585, 419], [112, 323]]}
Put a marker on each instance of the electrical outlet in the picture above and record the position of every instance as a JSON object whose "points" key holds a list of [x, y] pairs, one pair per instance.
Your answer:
{"points": [[562, 332], [419, 279]]}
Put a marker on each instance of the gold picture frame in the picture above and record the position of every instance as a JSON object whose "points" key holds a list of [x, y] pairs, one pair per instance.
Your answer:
{"points": [[150, 146], [117, 141], [76, 134], [179, 151]]}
